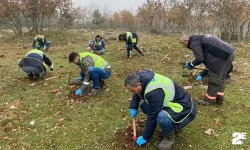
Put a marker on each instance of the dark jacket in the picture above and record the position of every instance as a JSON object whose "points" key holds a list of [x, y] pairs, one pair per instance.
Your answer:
{"points": [[155, 100], [210, 50]]}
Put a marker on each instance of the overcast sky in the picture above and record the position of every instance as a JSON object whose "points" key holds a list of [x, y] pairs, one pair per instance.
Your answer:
{"points": [[114, 5]]}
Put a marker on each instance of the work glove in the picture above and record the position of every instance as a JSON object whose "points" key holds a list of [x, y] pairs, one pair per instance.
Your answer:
{"points": [[133, 112], [199, 78], [78, 92], [189, 66], [140, 141], [45, 47]]}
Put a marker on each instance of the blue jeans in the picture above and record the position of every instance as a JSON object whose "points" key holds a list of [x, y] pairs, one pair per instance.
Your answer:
{"points": [[165, 123], [98, 48], [96, 74]]}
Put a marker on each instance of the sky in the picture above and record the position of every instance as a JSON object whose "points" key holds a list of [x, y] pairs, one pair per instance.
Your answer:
{"points": [[114, 5]]}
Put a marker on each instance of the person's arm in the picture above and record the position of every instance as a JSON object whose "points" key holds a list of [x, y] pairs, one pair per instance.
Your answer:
{"points": [[103, 43], [45, 41], [155, 100], [47, 60], [198, 53], [34, 44], [86, 64], [204, 73], [135, 101], [130, 44]]}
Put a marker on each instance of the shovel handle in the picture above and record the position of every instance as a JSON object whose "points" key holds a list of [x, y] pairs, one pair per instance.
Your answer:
{"points": [[134, 129]]}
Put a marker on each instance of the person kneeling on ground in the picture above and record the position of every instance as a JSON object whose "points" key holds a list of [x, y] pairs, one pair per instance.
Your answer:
{"points": [[34, 63], [40, 40], [165, 103], [93, 67], [98, 45]]}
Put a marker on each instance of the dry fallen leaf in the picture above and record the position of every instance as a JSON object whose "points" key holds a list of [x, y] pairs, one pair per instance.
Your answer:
{"points": [[217, 122], [209, 131], [32, 122], [55, 91], [12, 107], [116, 130], [214, 109], [187, 87]]}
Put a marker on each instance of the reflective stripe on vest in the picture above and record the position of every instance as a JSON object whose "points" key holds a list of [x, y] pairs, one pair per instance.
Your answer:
{"points": [[167, 85], [192, 107], [99, 61], [129, 34]]}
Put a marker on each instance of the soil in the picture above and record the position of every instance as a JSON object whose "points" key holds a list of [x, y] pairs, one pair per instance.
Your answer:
{"points": [[73, 98], [124, 139]]}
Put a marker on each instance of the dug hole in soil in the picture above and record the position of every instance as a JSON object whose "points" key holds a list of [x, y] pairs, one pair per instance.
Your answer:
{"points": [[124, 139], [77, 98]]}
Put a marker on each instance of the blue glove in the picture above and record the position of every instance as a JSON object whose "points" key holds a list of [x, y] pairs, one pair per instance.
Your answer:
{"points": [[45, 47], [78, 92], [188, 66], [130, 52], [126, 46], [133, 112], [140, 141], [199, 78]]}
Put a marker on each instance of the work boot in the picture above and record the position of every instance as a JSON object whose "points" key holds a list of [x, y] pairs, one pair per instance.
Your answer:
{"points": [[167, 142], [93, 92], [205, 102], [101, 83], [219, 100]]}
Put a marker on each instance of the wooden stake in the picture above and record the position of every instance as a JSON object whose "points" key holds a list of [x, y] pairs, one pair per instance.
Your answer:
{"points": [[134, 128]]}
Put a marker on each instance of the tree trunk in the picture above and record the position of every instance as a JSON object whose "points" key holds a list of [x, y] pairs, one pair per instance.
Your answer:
{"points": [[41, 25], [25, 18], [248, 31], [241, 30]]}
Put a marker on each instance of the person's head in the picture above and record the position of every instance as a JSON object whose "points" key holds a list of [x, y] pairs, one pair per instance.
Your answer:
{"points": [[184, 40], [121, 37], [133, 83], [39, 47], [38, 36], [74, 57], [98, 37]]}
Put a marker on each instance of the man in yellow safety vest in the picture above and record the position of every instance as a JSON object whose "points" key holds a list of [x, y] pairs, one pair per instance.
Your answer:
{"points": [[93, 67]]}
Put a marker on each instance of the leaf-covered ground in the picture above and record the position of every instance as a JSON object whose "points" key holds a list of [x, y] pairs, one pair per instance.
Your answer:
{"points": [[46, 115]]}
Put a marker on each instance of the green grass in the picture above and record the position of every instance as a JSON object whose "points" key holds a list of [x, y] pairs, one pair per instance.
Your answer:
{"points": [[64, 123]]}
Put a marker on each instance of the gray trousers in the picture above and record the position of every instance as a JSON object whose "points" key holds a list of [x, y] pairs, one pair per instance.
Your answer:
{"points": [[217, 81]]}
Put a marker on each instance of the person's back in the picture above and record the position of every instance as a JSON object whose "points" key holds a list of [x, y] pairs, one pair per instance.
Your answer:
{"points": [[210, 50]]}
